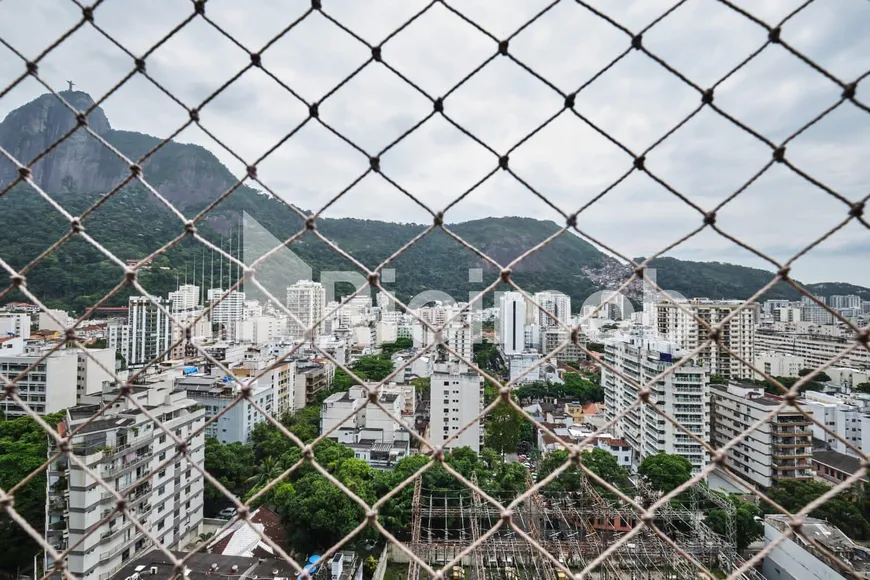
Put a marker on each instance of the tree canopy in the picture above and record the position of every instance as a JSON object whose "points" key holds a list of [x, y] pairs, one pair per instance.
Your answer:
{"points": [[598, 461], [665, 471], [575, 386], [841, 510], [23, 450]]}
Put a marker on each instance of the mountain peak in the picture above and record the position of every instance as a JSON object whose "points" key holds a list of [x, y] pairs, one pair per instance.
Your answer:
{"points": [[48, 116], [185, 174]]}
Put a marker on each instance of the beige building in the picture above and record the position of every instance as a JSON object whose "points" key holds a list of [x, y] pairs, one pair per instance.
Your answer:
{"points": [[680, 324], [780, 448]]}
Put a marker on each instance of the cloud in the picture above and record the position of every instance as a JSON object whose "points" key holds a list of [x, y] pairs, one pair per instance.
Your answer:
{"points": [[636, 102]]}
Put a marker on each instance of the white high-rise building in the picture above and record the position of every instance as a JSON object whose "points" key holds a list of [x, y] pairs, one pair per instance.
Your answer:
{"points": [[815, 314], [184, 299], [512, 322], [556, 304], [306, 301], [229, 312], [458, 336], [14, 324], [130, 453], [676, 325], [149, 332], [455, 400], [841, 417], [848, 301], [520, 362], [57, 320], [684, 394]]}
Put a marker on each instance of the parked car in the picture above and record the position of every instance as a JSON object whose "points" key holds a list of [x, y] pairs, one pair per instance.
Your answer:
{"points": [[227, 513]]}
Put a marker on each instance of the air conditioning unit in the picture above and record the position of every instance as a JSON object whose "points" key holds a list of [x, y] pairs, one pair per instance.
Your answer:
{"points": [[153, 570]]}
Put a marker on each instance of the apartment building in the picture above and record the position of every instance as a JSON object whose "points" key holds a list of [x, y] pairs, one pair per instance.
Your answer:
{"points": [[683, 394], [520, 362], [372, 433], [556, 309], [273, 371], [842, 416], [184, 299], [14, 324], [56, 320], [512, 319], [815, 314], [227, 312], [680, 324], [56, 382], [147, 334], [776, 364], [553, 338], [164, 492], [780, 448], [217, 393], [455, 400], [312, 377], [306, 301], [816, 349]]}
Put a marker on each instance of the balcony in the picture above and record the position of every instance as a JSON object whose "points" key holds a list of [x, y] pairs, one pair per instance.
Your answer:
{"points": [[785, 456], [791, 465], [139, 460]]}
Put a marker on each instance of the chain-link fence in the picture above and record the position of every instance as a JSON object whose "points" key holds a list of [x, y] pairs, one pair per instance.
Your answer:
{"points": [[499, 530]]}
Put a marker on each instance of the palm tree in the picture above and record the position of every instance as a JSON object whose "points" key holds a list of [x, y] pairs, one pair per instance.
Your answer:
{"points": [[266, 472], [204, 537]]}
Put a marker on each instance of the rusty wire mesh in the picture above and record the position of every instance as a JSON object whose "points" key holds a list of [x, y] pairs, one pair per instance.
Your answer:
{"points": [[634, 163]]}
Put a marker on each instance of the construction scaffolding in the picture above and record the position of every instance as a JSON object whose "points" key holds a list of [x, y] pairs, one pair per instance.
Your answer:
{"points": [[575, 528]]}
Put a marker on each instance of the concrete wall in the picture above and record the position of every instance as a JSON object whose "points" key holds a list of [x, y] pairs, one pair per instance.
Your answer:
{"points": [[382, 563]]}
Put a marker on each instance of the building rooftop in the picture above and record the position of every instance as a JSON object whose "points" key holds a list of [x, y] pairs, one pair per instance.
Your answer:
{"points": [[241, 538], [389, 397], [819, 530], [839, 461], [102, 425], [207, 566]]}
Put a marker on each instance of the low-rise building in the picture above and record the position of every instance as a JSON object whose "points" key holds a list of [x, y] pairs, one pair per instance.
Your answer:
{"points": [[834, 468], [367, 429], [203, 566]]}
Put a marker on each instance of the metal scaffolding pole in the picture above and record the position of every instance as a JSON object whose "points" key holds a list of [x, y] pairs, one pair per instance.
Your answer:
{"points": [[478, 566], [414, 567]]}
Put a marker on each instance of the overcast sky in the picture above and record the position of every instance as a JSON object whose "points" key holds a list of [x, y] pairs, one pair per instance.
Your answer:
{"points": [[636, 102]]}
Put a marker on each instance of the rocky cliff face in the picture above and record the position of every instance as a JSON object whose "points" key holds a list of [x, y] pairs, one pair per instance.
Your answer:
{"points": [[187, 175]]}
